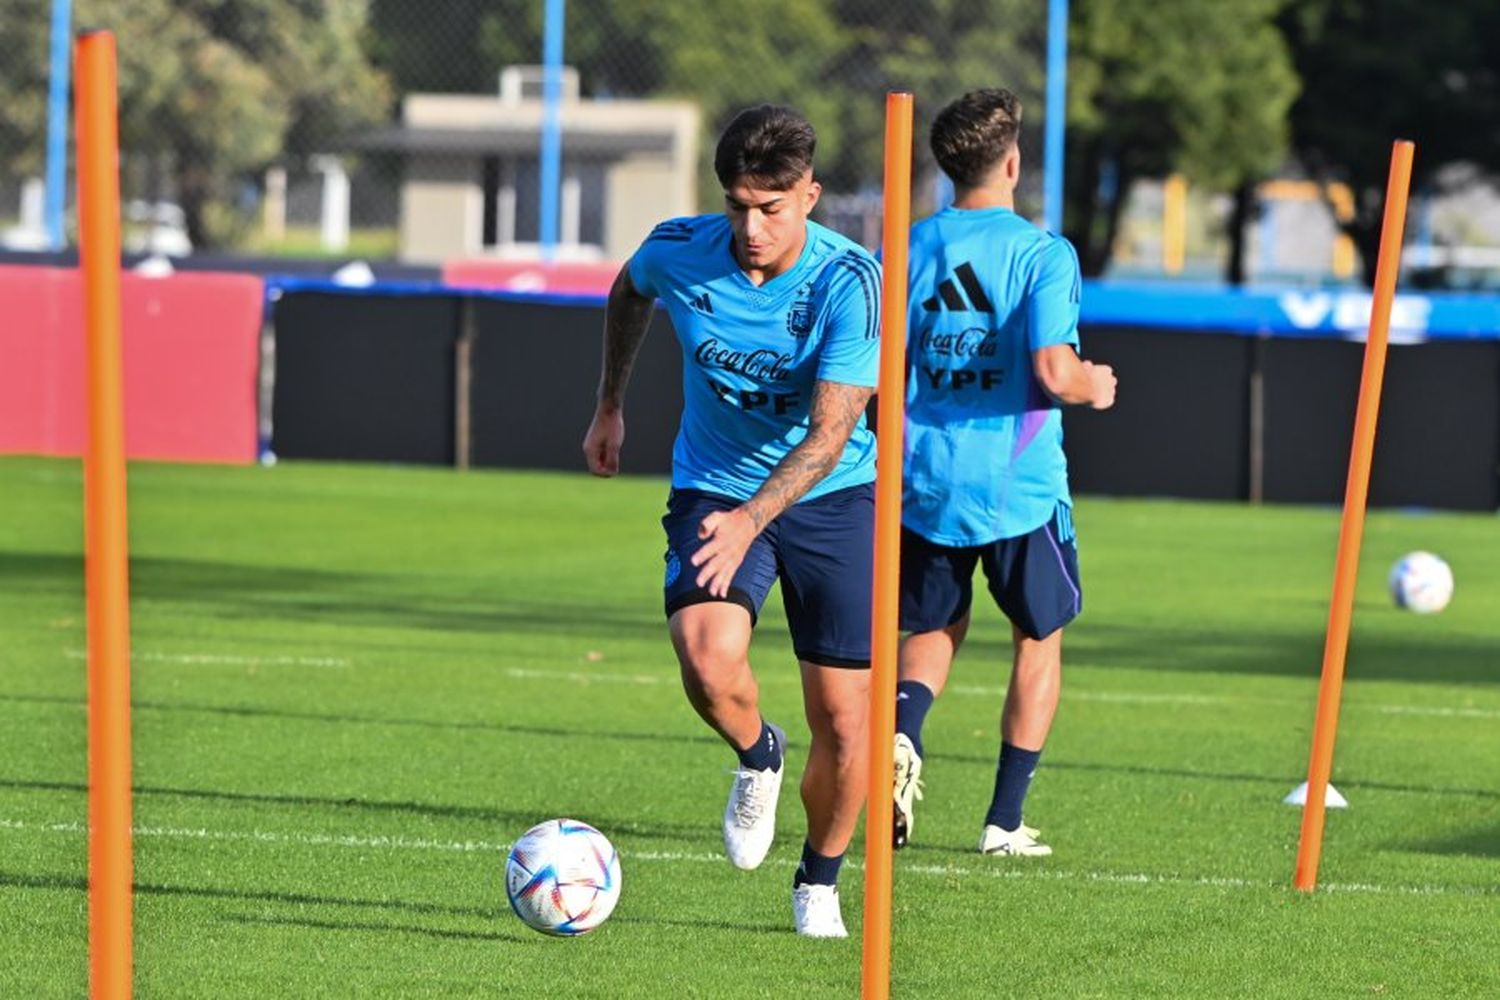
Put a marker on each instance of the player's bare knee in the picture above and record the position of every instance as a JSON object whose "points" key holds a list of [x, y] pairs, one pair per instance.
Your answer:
{"points": [[708, 652], [719, 680], [1039, 658], [845, 730]]}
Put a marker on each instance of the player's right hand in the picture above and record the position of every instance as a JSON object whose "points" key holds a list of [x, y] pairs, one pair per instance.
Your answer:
{"points": [[1102, 380], [601, 445]]}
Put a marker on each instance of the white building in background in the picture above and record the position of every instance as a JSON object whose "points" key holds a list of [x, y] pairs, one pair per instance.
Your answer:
{"points": [[471, 184], [29, 233]]}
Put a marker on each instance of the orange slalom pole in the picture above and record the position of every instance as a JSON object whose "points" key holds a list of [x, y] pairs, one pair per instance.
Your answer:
{"points": [[890, 415], [106, 548], [1351, 531]]}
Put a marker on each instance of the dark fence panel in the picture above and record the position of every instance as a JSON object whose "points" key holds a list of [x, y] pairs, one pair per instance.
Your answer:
{"points": [[535, 374], [1180, 423], [374, 377], [1437, 440], [368, 378]]}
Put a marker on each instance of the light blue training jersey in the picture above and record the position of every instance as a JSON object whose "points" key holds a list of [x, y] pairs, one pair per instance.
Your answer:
{"points": [[751, 354], [984, 458]]}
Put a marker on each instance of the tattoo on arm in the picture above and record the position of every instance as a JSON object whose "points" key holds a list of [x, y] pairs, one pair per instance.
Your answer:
{"points": [[626, 319], [836, 409]]}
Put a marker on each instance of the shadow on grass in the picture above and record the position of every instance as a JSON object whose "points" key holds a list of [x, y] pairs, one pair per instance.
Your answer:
{"points": [[253, 711], [79, 884], [1182, 647], [378, 928], [241, 592], [1476, 844], [1283, 781], [503, 820], [432, 602], [713, 924]]}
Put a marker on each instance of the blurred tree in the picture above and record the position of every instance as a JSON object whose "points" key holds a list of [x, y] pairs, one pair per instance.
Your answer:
{"points": [[1399, 69], [832, 59], [616, 45], [437, 51], [218, 91], [937, 50], [23, 82], [712, 53], [1174, 85], [727, 60], [210, 92]]}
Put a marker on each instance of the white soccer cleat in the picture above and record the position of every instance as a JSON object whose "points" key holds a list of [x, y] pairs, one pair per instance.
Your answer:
{"points": [[815, 911], [907, 789], [750, 814], [1020, 842]]}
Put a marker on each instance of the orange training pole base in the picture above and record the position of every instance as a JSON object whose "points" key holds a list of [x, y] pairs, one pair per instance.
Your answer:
{"points": [[876, 969], [1341, 609], [105, 539]]}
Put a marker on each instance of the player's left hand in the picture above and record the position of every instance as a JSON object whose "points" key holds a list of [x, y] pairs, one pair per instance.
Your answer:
{"points": [[727, 535]]}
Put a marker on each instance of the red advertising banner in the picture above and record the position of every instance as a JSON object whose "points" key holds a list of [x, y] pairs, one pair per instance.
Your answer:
{"points": [[191, 346]]}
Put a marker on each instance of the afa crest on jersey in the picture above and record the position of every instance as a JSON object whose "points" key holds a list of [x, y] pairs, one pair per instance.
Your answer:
{"points": [[799, 321]]}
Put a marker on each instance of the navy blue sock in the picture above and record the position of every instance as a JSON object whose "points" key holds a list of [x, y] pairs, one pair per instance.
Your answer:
{"points": [[1012, 778], [817, 868], [765, 753], [913, 699]]}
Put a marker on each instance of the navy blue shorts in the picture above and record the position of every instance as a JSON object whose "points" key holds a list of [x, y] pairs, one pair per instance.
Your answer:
{"points": [[1033, 578], [823, 551]]}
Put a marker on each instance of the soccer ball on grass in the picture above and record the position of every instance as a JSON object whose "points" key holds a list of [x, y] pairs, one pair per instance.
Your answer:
{"points": [[563, 877], [1421, 582]]}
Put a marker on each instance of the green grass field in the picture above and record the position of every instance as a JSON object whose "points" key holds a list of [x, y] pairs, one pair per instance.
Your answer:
{"points": [[355, 685]]}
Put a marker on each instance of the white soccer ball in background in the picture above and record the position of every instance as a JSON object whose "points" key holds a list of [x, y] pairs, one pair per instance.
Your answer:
{"points": [[1421, 582], [563, 877]]}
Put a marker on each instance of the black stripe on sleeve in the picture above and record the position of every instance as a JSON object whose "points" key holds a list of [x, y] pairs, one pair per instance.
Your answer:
{"points": [[672, 231], [867, 272]]}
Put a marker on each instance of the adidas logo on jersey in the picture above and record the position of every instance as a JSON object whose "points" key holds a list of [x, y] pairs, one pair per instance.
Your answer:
{"points": [[950, 296], [702, 304]]}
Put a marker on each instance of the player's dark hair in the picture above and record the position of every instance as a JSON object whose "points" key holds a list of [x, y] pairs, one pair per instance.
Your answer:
{"points": [[769, 146], [974, 133]]}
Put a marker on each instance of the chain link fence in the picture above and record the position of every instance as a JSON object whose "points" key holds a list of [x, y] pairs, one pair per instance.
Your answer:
{"points": [[409, 130], [354, 127]]}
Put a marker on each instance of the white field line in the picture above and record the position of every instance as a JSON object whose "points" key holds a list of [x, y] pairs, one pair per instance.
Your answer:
{"points": [[1115, 697], [217, 659], [1069, 694], [400, 843], [265, 837], [1456, 713], [965, 690], [587, 677]]}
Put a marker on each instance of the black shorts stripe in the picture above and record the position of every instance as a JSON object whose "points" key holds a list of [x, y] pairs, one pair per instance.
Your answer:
{"points": [[839, 662], [702, 596]]}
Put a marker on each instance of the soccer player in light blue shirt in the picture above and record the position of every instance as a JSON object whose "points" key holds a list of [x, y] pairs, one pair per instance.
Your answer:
{"points": [[772, 477], [992, 354]]}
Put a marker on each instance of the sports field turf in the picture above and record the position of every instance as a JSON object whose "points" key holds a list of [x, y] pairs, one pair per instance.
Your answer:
{"points": [[355, 685]]}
